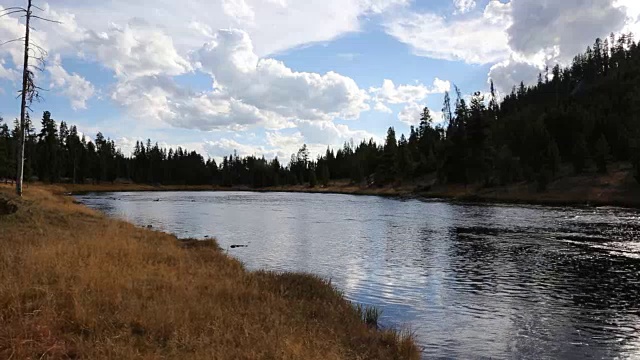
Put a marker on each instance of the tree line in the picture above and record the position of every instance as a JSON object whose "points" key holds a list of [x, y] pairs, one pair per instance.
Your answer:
{"points": [[584, 115]]}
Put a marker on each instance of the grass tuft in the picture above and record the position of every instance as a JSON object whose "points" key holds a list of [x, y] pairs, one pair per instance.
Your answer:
{"points": [[369, 315]]}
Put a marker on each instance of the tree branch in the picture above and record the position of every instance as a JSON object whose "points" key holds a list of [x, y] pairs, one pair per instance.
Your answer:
{"points": [[48, 20], [12, 12], [11, 41]]}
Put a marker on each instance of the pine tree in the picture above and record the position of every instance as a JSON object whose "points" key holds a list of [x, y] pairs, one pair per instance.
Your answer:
{"points": [[602, 154], [326, 175], [388, 167], [313, 181], [48, 148], [553, 155], [4, 150], [580, 154]]}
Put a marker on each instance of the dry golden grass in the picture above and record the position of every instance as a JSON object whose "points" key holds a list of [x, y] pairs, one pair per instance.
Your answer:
{"points": [[75, 284]]}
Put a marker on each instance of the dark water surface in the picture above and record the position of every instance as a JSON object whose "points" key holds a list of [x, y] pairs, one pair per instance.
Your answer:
{"points": [[472, 281]]}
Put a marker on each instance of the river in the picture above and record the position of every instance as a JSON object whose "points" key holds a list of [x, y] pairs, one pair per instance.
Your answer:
{"points": [[472, 281]]}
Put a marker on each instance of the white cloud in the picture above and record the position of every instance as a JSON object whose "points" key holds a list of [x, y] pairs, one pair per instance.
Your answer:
{"points": [[298, 22], [325, 133], [632, 9], [463, 6], [279, 140], [411, 114], [285, 145], [380, 107], [402, 94], [518, 37], [135, 50], [127, 144], [440, 86], [270, 85], [511, 72], [73, 86], [571, 25], [225, 147], [159, 100], [8, 73], [477, 40], [239, 10]]}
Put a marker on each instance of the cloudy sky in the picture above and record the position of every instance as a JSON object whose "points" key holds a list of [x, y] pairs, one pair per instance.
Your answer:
{"points": [[264, 76]]}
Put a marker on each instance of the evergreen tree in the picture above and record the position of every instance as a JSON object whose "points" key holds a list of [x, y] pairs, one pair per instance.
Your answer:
{"points": [[312, 178], [580, 154], [48, 145], [5, 144], [602, 154], [388, 166]]}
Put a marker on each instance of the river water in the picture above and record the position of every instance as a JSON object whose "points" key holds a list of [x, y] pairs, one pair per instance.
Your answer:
{"points": [[472, 281]]}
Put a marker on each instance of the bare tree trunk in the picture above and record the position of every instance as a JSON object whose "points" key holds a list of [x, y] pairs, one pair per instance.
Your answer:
{"points": [[23, 108]]}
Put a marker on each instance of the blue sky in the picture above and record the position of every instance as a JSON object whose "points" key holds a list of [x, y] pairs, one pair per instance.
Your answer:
{"points": [[265, 76]]}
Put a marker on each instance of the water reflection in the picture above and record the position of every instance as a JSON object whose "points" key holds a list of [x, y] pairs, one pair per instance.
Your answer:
{"points": [[472, 281]]}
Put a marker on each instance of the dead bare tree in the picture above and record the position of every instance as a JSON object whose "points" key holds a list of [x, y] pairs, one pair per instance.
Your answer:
{"points": [[29, 91]]}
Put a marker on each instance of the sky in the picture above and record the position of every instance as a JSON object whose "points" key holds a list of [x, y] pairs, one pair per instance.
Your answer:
{"points": [[262, 77]]}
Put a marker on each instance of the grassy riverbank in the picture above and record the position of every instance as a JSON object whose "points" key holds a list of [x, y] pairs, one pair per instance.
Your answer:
{"points": [[616, 188], [77, 284]]}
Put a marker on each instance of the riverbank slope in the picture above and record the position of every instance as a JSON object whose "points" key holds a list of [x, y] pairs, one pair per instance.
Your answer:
{"points": [[77, 284], [616, 188]]}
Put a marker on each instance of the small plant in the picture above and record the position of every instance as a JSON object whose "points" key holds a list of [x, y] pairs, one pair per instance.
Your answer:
{"points": [[369, 315]]}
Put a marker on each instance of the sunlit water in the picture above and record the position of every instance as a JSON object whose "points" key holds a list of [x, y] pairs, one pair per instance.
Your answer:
{"points": [[472, 281]]}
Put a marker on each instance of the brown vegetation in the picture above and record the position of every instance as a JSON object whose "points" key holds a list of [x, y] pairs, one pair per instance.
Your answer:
{"points": [[75, 284]]}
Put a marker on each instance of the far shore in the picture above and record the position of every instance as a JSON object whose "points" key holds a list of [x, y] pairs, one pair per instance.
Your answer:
{"points": [[617, 188]]}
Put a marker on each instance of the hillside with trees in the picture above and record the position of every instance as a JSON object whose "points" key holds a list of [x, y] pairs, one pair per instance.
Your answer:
{"points": [[584, 115]]}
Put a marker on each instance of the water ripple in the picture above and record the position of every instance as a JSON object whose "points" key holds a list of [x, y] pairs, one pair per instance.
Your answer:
{"points": [[473, 281]]}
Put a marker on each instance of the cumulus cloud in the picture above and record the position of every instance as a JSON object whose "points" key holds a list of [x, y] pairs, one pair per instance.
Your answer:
{"points": [[270, 85], [281, 141], [325, 133], [518, 37], [411, 114], [159, 100], [569, 24], [73, 86], [463, 6], [225, 147], [476, 40], [380, 107], [511, 72], [135, 50], [239, 10], [298, 22], [391, 94], [8, 73]]}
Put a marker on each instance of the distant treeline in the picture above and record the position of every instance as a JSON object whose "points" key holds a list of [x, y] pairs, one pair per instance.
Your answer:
{"points": [[586, 115]]}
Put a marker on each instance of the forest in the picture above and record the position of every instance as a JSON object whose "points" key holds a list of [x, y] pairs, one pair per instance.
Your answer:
{"points": [[584, 115]]}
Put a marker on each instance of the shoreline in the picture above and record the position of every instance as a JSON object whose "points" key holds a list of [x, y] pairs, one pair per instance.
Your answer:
{"points": [[612, 190], [131, 292]]}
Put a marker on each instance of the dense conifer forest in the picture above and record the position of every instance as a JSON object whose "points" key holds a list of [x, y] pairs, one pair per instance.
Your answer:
{"points": [[585, 115]]}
